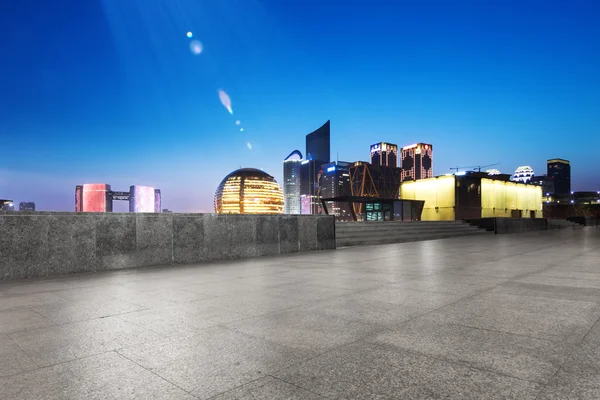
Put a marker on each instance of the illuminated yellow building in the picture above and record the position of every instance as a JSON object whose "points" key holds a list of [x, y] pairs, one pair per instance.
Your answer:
{"points": [[473, 196], [249, 191]]}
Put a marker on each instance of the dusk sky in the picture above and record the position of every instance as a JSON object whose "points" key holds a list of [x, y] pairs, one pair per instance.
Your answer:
{"points": [[110, 91]]}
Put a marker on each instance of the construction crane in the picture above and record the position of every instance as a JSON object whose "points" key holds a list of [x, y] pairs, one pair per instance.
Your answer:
{"points": [[475, 167]]}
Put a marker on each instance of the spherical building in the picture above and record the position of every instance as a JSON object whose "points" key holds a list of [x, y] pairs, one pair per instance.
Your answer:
{"points": [[249, 191], [523, 174]]}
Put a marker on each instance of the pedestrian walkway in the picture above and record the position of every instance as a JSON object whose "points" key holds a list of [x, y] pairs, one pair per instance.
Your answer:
{"points": [[476, 317]]}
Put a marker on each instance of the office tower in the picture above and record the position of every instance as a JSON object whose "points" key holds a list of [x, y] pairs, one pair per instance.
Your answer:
{"points": [[94, 197], [523, 174], [417, 162], [157, 200], [7, 205], [291, 182], [27, 206], [559, 171], [385, 154], [141, 199], [318, 144], [309, 187], [334, 182], [317, 154], [79, 198], [248, 191]]}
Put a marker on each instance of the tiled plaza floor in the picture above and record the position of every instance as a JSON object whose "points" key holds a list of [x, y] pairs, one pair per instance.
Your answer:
{"points": [[485, 317]]}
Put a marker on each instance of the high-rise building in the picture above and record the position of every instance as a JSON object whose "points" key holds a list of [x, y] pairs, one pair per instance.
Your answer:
{"points": [[385, 154], [27, 206], [417, 162], [291, 182], [93, 197], [141, 199], [559, 171], [318, 144], [157, 200], [79, 198], [309, 187], [334, 181], [317, 154]]}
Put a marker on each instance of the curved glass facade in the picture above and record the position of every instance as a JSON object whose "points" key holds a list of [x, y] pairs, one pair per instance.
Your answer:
{"points": [[249, 191]]}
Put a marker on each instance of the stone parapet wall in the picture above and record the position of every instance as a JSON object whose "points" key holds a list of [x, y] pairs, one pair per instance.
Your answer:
{"points": [[34, 244]]}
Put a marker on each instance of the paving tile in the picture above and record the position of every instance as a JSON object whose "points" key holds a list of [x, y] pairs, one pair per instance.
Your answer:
{"points": [[8, 302], [579, 378], [223, 288], [266, 280], [15, 320], [552, 292], [85, 310], [56, 344], [441, 284], [14, 360], [521, 357], [543, 318], [561, 281], [182, 318], [36, 286], [367, 311], [307, 292], [408, 297], [366, 371], [216, 360], [102, 377], [304, 329], [251, 304], [349, 282], [268, 388]]}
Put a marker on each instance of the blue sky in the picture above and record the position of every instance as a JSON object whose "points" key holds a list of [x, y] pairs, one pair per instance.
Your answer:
{"points": [[109, 91]]}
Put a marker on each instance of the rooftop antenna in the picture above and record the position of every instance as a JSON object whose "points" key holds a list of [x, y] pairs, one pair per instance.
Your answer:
{"points": [[337, 157]]}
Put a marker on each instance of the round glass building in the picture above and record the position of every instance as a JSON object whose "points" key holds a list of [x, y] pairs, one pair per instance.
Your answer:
{"points": [[249, 191]]}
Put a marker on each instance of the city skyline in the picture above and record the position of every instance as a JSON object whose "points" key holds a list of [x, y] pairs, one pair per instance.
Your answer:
{"points": [[100, 100]]}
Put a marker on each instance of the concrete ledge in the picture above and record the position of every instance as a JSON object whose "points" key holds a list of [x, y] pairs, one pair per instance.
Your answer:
{"points": [[36, 244]]}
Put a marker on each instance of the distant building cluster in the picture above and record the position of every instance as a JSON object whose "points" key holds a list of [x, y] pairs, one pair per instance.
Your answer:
{"points": [[396, 181], [98, 197], [9, 205], [316, 181]]}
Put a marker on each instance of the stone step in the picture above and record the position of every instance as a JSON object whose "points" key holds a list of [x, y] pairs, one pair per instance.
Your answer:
{"points": [[395, 233], [386, 227], [344, 242], [406, 229]]}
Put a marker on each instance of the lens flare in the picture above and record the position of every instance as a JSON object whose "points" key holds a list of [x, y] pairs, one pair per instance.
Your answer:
{"points": [[225, 100], [238, 122], [241, 129], [190, 35], [196, 47], [249, 145]]}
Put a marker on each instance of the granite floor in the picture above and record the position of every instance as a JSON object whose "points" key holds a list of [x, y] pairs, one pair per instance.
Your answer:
{"points": [[486, 317]]}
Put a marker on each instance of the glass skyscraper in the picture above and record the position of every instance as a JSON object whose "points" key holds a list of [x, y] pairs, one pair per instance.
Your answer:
{"points": [[318, 144], [291, 182], [317, 153], [559, 171]]}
